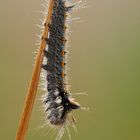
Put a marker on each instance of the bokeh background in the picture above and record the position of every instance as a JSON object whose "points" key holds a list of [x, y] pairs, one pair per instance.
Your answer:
{"points": [[105, 63]]}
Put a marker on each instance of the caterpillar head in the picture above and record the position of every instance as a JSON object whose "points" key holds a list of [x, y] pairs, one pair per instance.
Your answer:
{"points": [[59, 104]]}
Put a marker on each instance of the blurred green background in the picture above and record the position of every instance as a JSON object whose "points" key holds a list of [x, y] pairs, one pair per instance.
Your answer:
{"points": [[105, 63]]}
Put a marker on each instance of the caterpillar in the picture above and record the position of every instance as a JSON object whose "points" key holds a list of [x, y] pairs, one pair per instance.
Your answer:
{"points": [[58, 102]]}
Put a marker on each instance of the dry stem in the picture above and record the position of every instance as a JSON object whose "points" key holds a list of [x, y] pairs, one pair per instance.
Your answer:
{"points": [[31, 94]]}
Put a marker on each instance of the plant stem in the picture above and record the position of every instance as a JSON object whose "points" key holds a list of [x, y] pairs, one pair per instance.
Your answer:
{"points": [[31, 94]]}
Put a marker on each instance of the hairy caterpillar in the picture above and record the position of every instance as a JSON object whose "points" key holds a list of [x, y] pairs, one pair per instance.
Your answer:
{"points": [[58, 102]]}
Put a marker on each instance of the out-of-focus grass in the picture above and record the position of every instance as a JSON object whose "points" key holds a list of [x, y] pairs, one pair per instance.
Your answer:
{"points": [[104, 63]]}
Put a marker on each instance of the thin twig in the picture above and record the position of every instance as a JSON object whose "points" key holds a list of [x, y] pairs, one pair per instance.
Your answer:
{"points": [[30, 98]]}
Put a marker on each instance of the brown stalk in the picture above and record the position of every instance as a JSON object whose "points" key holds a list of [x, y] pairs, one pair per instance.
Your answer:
{"points": [[31, 94]]}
